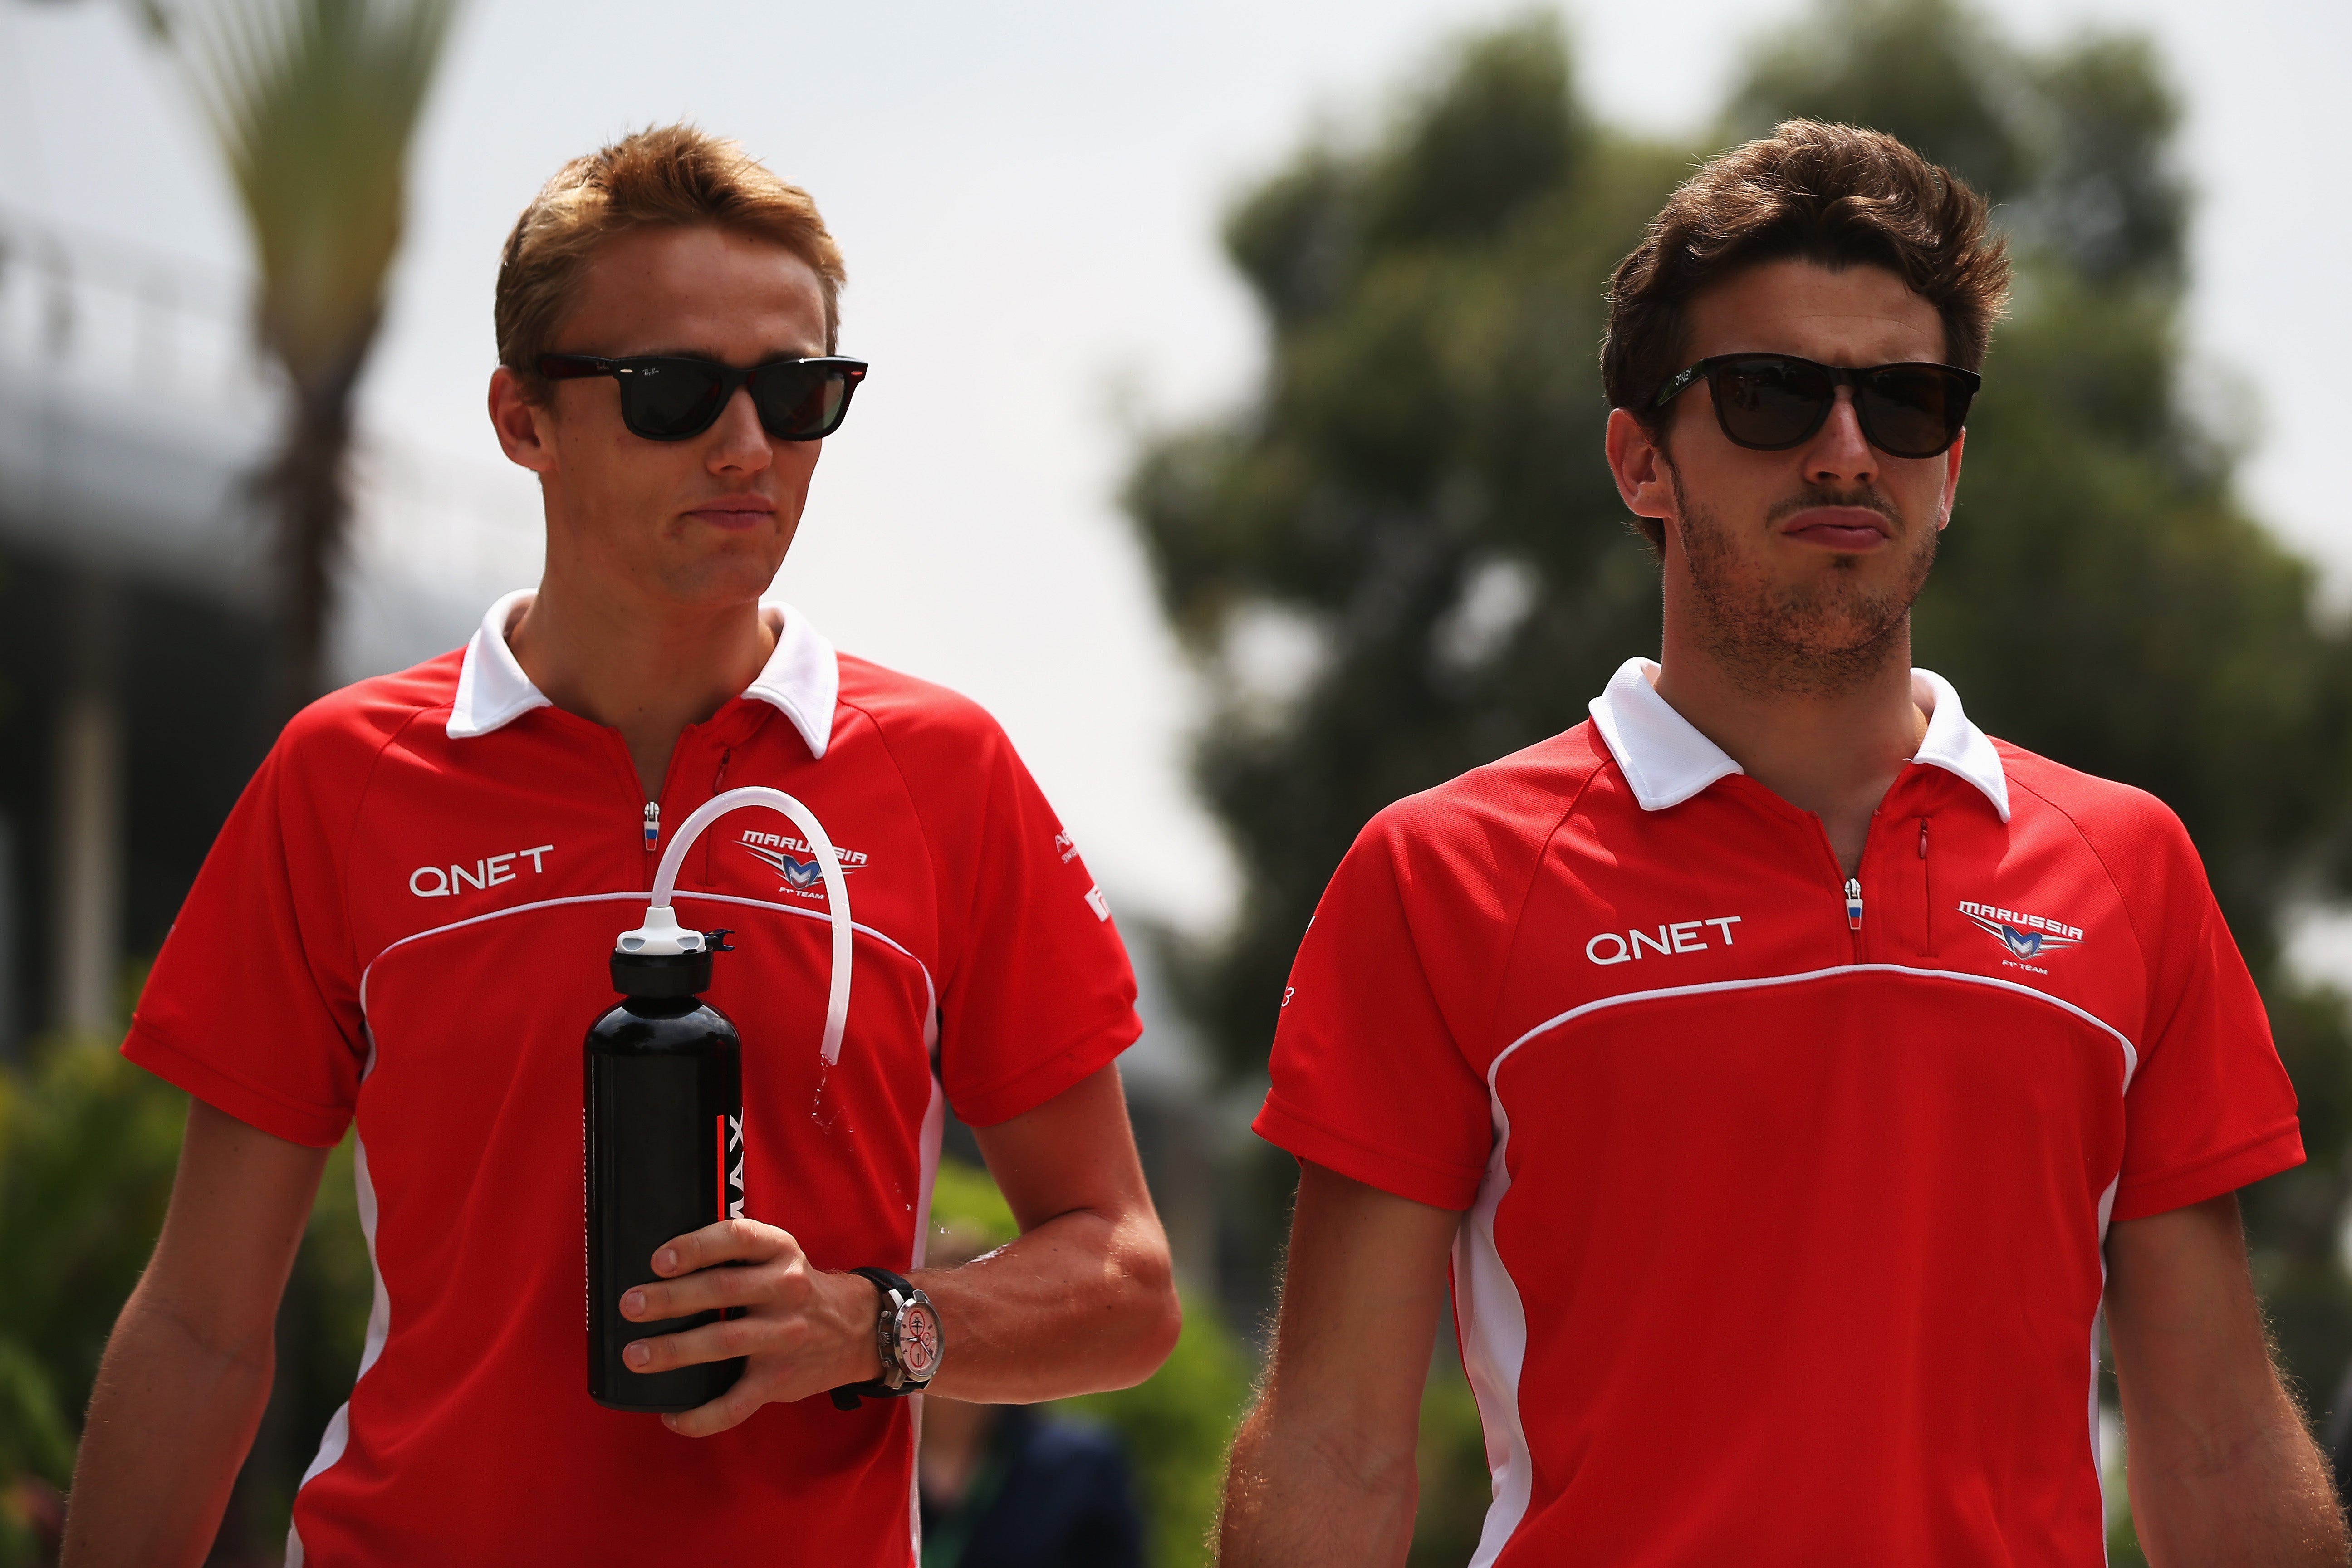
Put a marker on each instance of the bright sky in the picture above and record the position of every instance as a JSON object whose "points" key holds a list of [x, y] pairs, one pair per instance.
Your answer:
{"points": [[1028, 195]]}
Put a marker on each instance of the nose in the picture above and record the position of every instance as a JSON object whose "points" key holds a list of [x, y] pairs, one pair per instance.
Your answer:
{"points": [[739, 444], [1839, 454]]}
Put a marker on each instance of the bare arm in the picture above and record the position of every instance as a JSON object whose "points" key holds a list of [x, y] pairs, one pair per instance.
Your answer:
{"points": [[1084, 1301], [188, 1366], [2221, 1468], [1322, 1471]]}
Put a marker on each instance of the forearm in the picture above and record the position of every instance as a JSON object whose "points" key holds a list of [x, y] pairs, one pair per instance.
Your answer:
{"points": [[1298, 1497], [169, 1423], [1083, 1302], [2256, 1494]]}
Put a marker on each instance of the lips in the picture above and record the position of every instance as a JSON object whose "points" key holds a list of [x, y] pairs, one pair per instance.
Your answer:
{"points": [[735, 512], [1846, 527]]}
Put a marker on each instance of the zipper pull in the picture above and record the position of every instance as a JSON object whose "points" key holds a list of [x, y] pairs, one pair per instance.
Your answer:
{"points": [[1853, 903], [653, 824]]}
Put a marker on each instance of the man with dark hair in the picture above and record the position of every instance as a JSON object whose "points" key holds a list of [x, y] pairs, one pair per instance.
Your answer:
{"points": [[406, 924], [1792, 1073]]}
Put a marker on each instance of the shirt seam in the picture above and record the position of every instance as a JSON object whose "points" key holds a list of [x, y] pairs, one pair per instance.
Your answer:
{"points": [[930, 853], [1527, 897], [2290, 1125], [2147, 954], [1277, 1101], [351, 835], [180, 1048]]}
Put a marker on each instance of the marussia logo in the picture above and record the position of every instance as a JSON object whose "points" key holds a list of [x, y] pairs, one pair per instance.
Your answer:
{"points": [[785, 857], [2025, 936]]}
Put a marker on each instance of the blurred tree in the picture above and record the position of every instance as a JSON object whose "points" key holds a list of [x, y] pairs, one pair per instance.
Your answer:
{"points": [[314, 104], [1405, 556]]}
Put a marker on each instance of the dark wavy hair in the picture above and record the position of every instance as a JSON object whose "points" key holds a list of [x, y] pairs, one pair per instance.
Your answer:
{"points": [[1832, 194]]}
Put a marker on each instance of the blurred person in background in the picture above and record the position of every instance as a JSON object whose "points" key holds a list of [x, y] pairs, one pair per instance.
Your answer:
{"points": [[405, 923], [1004, 1486], [1790, 1073]]}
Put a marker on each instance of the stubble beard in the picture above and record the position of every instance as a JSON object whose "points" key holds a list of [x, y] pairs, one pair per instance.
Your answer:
{"points": [[1827, 637]]}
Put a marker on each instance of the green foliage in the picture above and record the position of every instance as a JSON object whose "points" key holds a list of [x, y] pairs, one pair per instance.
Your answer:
{"points": [[964, 1198], [1450, 1460], [88, 1146], [1176, 1426]]}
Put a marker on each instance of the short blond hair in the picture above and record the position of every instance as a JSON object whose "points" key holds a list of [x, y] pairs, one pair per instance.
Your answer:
{"points": [[664, 177]]}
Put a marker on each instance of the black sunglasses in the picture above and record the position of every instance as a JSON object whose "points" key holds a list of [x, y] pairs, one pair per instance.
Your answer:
{"points": [[1770, 403], [667, 399]]}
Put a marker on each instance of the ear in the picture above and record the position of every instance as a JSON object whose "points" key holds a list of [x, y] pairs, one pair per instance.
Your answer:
{"points": [[525, 429], [1639, 466], [1952, 478]]}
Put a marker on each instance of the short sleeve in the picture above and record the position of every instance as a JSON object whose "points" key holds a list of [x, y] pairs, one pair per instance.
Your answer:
{"points": [[252, 1005], [1041, 995], [1368, 1077], [2210, 1108]]}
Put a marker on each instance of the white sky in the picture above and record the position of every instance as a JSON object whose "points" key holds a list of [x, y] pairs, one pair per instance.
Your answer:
{"points": [[1028, 195]]}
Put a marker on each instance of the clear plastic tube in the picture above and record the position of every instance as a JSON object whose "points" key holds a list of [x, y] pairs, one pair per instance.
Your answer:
{"points": [[661, 919]]}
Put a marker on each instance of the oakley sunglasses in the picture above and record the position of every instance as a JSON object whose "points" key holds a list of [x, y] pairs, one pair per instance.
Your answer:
{"points": [[1770, 403], [670, 399]]}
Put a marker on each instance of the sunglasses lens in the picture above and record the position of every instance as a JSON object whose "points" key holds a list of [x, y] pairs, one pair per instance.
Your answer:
{"points": [[1770, 403], [668, 400], [1912, 410], [800, 402]]}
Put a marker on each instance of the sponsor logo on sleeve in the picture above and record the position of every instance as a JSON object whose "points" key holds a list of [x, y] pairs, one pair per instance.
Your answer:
{"points": [[796, 863]]}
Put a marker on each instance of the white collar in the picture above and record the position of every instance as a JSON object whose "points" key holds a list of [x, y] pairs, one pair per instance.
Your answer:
{"points": [[1667, 761], [803, 677]]}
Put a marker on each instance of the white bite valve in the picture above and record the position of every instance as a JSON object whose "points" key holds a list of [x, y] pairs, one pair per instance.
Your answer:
{"points": [[660, 936]]}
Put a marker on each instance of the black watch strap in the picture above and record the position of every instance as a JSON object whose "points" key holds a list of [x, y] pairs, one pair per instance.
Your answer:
{"points": [[845, 1397]]}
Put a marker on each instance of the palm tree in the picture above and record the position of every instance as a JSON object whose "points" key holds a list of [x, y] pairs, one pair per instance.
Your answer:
{"points": [[313, 104]]}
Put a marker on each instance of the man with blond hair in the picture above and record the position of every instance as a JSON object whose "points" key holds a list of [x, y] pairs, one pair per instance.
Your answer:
{"points": [[406, 922], [1790, 1073]]}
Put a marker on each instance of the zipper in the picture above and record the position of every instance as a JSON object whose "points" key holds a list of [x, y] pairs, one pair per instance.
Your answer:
{"points": [[1927, 897], [653, 825], [1853, 903]]}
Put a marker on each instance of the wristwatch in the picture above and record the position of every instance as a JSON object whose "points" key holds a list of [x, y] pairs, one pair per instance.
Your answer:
{"points": [[907, 1337]]}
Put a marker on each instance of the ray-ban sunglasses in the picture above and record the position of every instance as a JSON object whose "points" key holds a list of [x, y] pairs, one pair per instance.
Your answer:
{"points": [[1770, 403], [665, 398]]}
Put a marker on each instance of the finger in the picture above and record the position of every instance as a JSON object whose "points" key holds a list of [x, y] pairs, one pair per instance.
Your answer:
{"points": [[721, 1340], [728, 1241], [704, 1290], [732, 1408]]}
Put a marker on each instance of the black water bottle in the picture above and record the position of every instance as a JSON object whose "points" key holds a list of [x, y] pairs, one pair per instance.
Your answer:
{"points": [[664, 1156]]}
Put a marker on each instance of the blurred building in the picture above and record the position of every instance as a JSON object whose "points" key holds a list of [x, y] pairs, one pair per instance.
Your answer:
{"points": [[133, 608]]}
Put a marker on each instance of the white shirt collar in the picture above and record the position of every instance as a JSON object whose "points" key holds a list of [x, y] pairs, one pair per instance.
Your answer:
{"points": [[803, 677], [1667, 761]]}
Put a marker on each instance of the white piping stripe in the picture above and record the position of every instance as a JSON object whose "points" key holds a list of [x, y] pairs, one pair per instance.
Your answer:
{"points": [[2131, 1052], [639, 897], [337, 1436]]}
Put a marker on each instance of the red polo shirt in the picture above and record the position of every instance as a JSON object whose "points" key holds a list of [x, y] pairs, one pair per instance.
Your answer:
{"points": [[406, 922], [1783, 1207]]}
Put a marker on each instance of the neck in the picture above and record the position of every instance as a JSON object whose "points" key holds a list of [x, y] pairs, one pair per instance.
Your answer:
{"points": [[646, 669], [1831, 749]]}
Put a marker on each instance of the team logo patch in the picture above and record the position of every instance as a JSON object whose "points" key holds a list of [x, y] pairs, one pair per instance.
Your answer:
{"points": [[796, 863], [2023, 936]]}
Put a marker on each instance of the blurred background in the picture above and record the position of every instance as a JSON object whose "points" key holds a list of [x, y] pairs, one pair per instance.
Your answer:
{"points": [[1234, 435]]}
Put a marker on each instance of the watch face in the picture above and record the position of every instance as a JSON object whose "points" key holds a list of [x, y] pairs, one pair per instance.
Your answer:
{"points": [[918, 1341]]}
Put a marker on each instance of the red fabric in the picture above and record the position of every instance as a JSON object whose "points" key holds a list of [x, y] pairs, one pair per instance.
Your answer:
{"points": [[1782, 1239], [316, 974]]}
